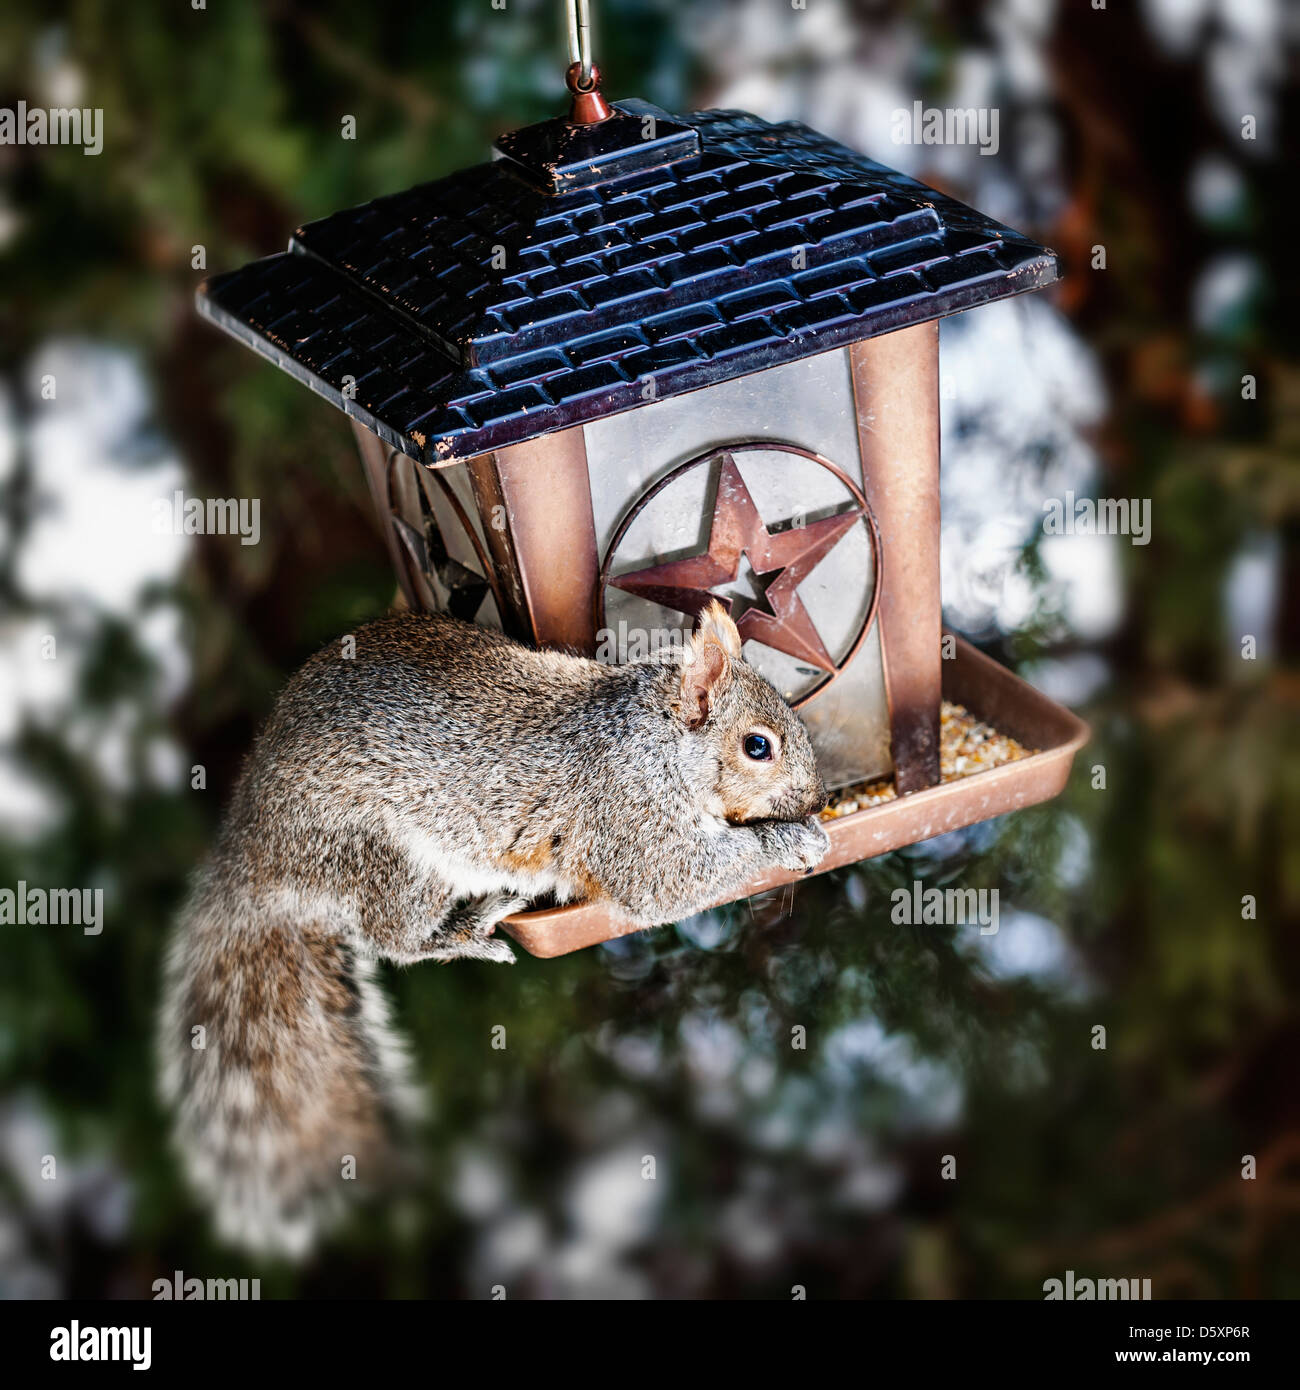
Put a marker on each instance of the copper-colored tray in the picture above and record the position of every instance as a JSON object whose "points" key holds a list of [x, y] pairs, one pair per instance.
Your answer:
{"points": [[972, 679]]}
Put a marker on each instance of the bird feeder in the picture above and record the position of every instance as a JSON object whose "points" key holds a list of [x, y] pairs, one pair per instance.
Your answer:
{"points": [[638, 361]]}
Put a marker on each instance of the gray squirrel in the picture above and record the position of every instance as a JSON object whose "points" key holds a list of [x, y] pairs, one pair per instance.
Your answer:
{"points": [[401, 801]]}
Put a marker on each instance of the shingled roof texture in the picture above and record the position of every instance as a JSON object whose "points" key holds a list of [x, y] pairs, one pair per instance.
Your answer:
{"points": [[683, 273]]}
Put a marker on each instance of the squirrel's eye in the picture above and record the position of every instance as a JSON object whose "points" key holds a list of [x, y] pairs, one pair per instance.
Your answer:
{"points": [[758, 747]]}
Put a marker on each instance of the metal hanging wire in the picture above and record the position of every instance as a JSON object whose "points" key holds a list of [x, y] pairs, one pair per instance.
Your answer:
{"points": [[579, 16]]}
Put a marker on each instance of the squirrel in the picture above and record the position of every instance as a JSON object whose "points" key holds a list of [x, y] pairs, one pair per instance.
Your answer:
{"points": [[403, 799]]}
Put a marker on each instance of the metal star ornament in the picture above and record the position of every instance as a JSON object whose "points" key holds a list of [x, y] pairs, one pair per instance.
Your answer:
{"points": [[776, 563]]}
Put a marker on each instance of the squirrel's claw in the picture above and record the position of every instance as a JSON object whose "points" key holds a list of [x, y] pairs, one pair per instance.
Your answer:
{"points": [[473, 946], [487, 948]]}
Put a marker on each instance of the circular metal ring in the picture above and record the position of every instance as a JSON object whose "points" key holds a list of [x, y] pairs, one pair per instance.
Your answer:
{"points": [[758, 446]]}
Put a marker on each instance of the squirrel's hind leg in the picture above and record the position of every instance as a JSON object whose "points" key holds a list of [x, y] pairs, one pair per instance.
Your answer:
{"points": [[409, 917], [466, 933]]}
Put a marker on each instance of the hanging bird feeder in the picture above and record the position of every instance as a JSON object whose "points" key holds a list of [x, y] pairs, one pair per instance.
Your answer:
{"points": [[639, 361]]}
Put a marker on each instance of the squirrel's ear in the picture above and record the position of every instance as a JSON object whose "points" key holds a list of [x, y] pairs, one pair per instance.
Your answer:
{"points": [[707, 672], [715, 625], [705, 676]]}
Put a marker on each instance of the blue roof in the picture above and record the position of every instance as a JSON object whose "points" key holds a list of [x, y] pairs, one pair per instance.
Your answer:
{"points": [[545, 288]]}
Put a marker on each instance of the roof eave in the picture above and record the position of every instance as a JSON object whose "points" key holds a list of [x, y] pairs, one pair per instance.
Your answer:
{"points": [[441, 448]]}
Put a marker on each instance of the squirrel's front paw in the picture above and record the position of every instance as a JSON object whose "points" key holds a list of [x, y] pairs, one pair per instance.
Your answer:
{"points": [[797, 845]]}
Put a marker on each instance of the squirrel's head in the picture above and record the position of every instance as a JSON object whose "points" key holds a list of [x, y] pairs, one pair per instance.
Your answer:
{"points": [[765, 766]]}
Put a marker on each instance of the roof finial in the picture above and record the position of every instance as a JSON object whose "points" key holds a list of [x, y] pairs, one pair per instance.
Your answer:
{"points": [[583, 77]]}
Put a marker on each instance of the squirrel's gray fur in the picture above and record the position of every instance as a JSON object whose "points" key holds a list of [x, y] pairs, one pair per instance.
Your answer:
{"points": [[399, 803]]}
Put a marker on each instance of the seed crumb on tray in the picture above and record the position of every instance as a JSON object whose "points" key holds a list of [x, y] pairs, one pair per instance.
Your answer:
{"points": [[965, 746]]}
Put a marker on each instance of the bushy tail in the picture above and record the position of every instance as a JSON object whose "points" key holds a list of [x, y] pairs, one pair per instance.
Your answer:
{"points": [[279, 1068]]}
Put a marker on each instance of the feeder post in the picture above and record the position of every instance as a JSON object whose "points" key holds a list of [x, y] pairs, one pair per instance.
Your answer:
{"points": [[896, 392], [535, 503]]}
